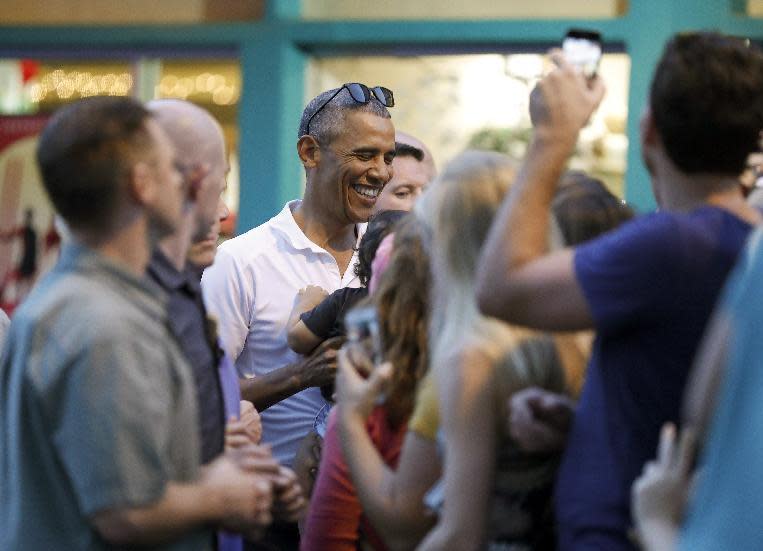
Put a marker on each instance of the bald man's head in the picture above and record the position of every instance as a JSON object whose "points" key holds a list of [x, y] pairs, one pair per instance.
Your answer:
{"points": [[413, 168], [196, 135], [200, 150]]}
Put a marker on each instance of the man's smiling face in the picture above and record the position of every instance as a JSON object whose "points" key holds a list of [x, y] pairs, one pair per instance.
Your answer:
{"points": [[355, 166]]}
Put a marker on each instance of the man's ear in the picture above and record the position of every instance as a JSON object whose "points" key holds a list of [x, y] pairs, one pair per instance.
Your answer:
{"points": [[194, 180], [141, 185], [649, 133], [309, 151]]}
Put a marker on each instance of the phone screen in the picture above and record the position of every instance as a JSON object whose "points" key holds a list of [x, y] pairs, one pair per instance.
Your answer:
{"points": [[582, 48], [363, 328]]}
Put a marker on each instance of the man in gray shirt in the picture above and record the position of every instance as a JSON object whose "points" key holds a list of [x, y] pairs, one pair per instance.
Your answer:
{"points": [[98, 429]]}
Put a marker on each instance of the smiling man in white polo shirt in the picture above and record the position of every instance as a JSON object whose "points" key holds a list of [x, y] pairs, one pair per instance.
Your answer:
{"points": [[346, 144]]}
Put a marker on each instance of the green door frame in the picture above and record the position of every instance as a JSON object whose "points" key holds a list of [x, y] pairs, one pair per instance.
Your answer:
{"points": [[273, 53]]}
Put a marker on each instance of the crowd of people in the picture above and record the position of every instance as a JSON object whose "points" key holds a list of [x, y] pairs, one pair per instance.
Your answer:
{"points": [[498, 355]]}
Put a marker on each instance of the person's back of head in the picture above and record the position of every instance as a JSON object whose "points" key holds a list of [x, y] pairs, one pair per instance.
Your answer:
{"points": [[459, 207], [379, 226], [403, 307], [584, 208], [706, 100], [86, 153]]}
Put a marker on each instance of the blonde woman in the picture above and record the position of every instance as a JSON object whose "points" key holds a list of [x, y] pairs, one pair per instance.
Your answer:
{"points": [[492, 491]]}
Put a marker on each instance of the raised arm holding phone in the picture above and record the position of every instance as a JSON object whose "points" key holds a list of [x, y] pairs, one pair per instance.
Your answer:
{"points": [[649, 287]]}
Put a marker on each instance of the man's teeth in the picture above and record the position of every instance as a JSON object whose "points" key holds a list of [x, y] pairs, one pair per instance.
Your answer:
{"points": [[366, 191]]}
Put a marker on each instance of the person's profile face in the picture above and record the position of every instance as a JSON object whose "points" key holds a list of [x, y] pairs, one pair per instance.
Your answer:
{"points": [[211, 188], [355, 166], [167, 205], [406, 186], [202, 251]]}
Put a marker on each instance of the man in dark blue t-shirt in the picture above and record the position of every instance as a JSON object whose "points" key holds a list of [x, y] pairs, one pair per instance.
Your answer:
{"points": [[647, 288]]}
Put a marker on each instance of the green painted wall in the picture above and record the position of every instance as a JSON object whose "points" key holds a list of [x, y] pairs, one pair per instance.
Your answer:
{"points": [[273, 53]]}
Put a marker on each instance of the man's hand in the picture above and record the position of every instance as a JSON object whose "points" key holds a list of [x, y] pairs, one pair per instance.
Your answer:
{"points": [[356, 394], [539, 420], [317, 369], [564, 100], [307, 460], [244, 498], [247, 429], [320, 366], [256, 459], [289, 502], [660, 494], [310, 297]]}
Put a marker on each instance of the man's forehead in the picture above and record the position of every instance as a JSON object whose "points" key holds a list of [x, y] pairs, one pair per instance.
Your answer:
{"points": [[366, 121], [408, 168]]}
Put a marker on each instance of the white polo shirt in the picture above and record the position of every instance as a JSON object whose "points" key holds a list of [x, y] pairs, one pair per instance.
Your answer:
{"points": [[251, 289]]}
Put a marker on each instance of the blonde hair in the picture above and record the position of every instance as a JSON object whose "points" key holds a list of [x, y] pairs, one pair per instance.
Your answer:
{"points": [[459, 208]]}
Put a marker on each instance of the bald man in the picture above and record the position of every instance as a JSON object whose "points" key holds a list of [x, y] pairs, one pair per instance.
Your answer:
{"points": [[200, 153], [413, 168]]}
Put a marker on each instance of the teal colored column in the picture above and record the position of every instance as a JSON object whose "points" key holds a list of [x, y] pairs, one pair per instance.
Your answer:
{"points": [[651, 24], [269, 110], [644, 49]]}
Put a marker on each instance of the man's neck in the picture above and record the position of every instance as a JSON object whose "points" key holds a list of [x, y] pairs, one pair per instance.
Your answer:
{"points": [[322, 229], [175, 248], [682, 192], [129, 246]]}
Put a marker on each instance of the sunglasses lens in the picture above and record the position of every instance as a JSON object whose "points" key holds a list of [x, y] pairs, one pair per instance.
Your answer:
{"points": [[384, 95], [359, 92]]}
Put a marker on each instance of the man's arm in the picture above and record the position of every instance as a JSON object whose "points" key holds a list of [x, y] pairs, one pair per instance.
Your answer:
{"points": [[224, 495], [518, 280], [318, 369]]}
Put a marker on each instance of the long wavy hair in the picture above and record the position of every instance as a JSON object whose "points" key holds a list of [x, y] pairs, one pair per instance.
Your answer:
{"points": [[402, 306]]}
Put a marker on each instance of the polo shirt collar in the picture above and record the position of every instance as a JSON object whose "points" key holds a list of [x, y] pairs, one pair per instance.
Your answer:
{"points": [[285, 224]]}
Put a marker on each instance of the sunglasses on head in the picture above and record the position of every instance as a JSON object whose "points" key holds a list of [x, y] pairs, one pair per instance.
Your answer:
{"points": [[361, 94]]}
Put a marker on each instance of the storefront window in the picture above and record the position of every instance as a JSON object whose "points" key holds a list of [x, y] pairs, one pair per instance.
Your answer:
{"points": [[31, 90], [481, 101]]}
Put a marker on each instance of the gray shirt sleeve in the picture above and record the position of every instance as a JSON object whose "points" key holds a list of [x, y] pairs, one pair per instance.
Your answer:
{"points": [[112, 422]]}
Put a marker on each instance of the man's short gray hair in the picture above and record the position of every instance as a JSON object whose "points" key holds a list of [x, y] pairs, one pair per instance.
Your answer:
{"points": [[327, 124]]}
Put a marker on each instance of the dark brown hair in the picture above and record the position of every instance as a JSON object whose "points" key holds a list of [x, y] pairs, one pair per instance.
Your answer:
{"points": [[584, 208], [378, 227], [706, 99], [85, 154]]}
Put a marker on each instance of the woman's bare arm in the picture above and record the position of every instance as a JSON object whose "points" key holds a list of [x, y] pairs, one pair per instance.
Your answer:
{"points": [[469, 417]]}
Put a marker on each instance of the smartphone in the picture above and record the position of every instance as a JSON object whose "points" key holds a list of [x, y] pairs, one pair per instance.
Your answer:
{"points": [[362, 327], [582, 48], [435, 497]]}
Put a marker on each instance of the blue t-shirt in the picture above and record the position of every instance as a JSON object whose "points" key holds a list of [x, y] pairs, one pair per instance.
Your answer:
{"points": [[651, 287], [727, 508]]}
